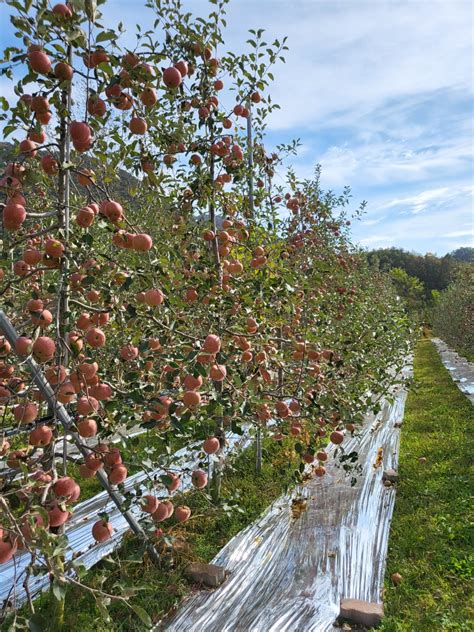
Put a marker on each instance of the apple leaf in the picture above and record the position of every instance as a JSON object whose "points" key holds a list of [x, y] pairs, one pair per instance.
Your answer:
{"points": [[142, 614]]}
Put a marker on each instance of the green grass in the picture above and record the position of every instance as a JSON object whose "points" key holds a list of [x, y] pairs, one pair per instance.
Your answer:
{"points": [[197, 540], [431, 539], [468, 355]]}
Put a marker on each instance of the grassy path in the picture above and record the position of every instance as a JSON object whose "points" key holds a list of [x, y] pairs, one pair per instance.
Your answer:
{"points": [[432, 536]]}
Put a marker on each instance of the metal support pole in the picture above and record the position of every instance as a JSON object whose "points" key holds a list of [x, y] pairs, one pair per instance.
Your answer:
{"points": [[250, 160], [258, 436], [64, 182], [217, 469]]}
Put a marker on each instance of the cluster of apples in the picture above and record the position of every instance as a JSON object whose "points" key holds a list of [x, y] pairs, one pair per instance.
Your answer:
{"points": [[14, 211], [64, 493], [162, 510], [108, 458], [158, 409], [141, 77], [157, 509], [233, 233], [46, 252], [67, 384], [81, 136], [113, 211], [60, 496], [133, 74]]}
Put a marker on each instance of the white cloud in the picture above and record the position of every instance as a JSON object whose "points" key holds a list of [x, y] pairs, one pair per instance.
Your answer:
{"points": [[375, 240], [459, 233], [373, 222], [347, 58], [424, 231], [431, 199], [391, 162]]}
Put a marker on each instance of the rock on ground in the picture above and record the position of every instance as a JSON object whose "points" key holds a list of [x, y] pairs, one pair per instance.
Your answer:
{"points": [[207, 574], [366, 613]]}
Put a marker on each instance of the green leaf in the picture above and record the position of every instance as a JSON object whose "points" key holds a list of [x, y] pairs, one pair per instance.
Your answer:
{"points": [[88, 239], [36, 623], [201, 369], [90, 7], [142, 614], [107, 68], [76, 34], [60, 49], [103, 610], [104, 36], [59, 591]]}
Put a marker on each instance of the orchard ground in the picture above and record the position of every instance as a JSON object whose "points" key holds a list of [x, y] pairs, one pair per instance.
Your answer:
{"points": [[429, 538], [199, 539]]}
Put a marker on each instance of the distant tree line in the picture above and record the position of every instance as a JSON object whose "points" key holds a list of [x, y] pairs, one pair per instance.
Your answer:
{"points": [[435, 273], [452, 316], [438, 291]]}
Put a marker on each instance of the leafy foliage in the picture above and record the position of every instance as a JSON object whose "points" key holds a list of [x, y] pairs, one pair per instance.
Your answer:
{"points": [[205, 298], [409, 288], [453, 314], [464, 254]]}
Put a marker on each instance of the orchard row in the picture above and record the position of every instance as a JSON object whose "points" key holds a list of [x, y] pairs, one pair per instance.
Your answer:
{"points": [[158, 275]]}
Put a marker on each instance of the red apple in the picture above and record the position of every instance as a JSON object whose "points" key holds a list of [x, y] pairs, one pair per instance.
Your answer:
{"points": [[102, 531]]}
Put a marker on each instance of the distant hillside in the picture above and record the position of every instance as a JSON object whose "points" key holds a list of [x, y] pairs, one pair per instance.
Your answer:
{"points": [[121, 187], [436, 273], [7, 154], [465, 254]]}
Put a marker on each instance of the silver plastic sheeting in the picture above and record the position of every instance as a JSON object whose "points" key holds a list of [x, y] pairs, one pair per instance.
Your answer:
{"points": [[287, 573], [79, 526], [461, 370]]}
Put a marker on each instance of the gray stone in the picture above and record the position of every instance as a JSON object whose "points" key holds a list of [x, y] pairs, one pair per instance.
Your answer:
{"points": [[390, 475], [365, 613], [207, 574]]}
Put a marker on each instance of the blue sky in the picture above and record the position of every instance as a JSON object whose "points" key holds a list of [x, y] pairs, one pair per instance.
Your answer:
{"points": [[380, 92]]}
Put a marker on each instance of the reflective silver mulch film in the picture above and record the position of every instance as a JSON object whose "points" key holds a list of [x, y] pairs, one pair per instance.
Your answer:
{"points": [[287, 573], [461, 370], [78, 528]]}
